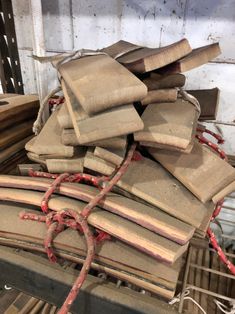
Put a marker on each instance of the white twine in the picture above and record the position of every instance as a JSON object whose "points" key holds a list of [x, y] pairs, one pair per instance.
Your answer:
{"points": [[185, 297], [37, 126], [225, 309], [190, 98], [6, 287], [57, 61]]}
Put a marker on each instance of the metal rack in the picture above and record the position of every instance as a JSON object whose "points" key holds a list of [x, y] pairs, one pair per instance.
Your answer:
{"points": [[189, 265]]}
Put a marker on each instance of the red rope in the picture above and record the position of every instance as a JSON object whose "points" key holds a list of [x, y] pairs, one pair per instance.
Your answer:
{"points": [[57, 221], [215, 147], [223, 258], [218, 137], [56, 101], [77, 177]]}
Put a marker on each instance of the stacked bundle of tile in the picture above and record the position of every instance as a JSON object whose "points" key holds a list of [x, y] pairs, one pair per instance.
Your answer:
{"points": [[17, 114], [165, 196]]}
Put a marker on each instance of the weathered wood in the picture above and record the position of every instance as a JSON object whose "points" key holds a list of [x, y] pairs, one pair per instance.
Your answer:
{"points": [[111, 123], [7, 95], [131, 233], [22, 304], [54, 283], [170, 124], [48, 142], [196, 58], [97, 164], [13, 149], [71, 165], [63, 117], [208, 100], [16, 109], [23, 169], [157, 81], [148, 282], [11, 163], [115, 156], [202, 171], [16, 133], [151, 182], [160, 95], [145, 215], [36, 158], [69, 138], [224, 192], [148, 59], [201, 231], [7, 297], [124, 258], [102, 88], [74, 108], [119, 48], [169, 147]]}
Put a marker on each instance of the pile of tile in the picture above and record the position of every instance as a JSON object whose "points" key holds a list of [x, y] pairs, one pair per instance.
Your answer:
{"points": [[17, 114], [166, 195]]}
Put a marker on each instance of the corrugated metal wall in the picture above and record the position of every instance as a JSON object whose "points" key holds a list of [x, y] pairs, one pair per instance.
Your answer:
{"points": [[71, 24]]}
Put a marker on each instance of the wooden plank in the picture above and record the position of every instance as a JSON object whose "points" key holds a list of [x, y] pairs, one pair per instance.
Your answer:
{"points": [[224, 192], [69, 138], [209, 102], [23, 169], [115, 156], [54, 283], [148, 59], [6, 298], [11, 163], [63, 116], [201, 231], [36, 158], [120, 48], [97, 164], [160, 95], [170, 124], [157, 81], [124, 258], [151, 182], [7, 95], [71, 165], [202, 171], [145, 240], [196, 58], [113, 122], [169, 147], [21, 303], [102, 88], [13, 149], [48, 142], [16, 133], [16, 109], [147, 282], [145, 215]]}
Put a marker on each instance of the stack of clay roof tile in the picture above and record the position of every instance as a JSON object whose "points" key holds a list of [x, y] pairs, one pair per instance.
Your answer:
{"points": [[17, 113], [164, 198]]}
